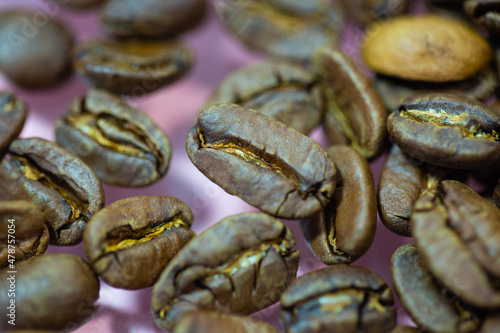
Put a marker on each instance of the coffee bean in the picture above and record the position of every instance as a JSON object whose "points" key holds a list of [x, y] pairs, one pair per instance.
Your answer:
{"points": [[402, 181], [279, 89], [338, 298], [60, 184], [23, 233], [290, 29], [78, 4], [484, 13], [447, 130], [34, 48], [52, 292], [427, 48], [133, 67], [491, 323], [129, 242], [368, 12], [262, 161], [405, 329], [151, 18], [345, 229], [209, 322], [496, 194], [121, 144], [240, 265], [431, 306], [355, 114], [13, 113], [457, 233]]}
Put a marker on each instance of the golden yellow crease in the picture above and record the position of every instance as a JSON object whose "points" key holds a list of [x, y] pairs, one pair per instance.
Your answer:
{"points": [[143, 236], [32, 172]]}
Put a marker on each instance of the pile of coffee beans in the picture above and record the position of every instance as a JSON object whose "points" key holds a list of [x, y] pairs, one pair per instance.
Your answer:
{"points": [[419, 93]]}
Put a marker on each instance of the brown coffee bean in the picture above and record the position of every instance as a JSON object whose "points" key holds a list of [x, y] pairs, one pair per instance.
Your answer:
{"points": [[338, 298], [457, 233], [393, 91], [121, 144], [132, 67], [129, 242], [54, 292], [290, 29], [431, 306], [23, 233], [151, 18], [447, 130], [402, 181], [60, 184], [240, 265], [262, 161], [210, 322], [279, 89], [13, 113], [484, 13], [496, 194], [79, 4], [35, 49], [405, 329], [491, 323], [345, 229], [428, 48], [355, 114], [367, 12]]}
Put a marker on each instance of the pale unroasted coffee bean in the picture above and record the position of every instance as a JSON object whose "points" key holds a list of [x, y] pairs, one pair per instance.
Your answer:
{"points": [[210, 322], [447, 130], [13, 113], [431, 306], [262, 161], [60, 184], [427, 48], [457, 234], [240, 265], [23, 233], [54, 292], [35, 49], [355, 114], [279, 89], [121, 144], [129, 242], [338, 298], [345, 229]]}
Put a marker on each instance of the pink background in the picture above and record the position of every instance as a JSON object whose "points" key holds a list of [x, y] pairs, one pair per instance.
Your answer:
{"points": [[174, 108]]}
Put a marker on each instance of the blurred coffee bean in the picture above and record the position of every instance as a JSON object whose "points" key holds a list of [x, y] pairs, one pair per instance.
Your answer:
{"points": [[13, 113], [210, 322], [485, 13], [366, 12]]}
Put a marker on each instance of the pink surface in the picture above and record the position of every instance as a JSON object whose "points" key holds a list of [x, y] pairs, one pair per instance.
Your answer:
{"points": [[174, 108]]}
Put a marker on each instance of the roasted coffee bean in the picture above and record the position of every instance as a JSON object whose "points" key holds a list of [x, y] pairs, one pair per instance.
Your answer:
{"points": [[34, 53], [79, 4], [402, 181], [338, 298], [279, 89], [447, 130], [13, 112], [64, 188], [345, 229], [121, 144], [485, 13], [457, 234], [355, 114], [132, 67], [393, 91], [210, 322], [262, 161], [240, 265], [431, 306], [54, 292], [366, 12], [496, 194], [291, 29], [491, 323], [428, 48], [23, 233], [404, 329], [129, 242], [151, 18]]}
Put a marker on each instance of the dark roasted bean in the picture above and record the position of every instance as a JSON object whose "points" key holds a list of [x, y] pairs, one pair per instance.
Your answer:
{"points": [[366, 12], [13, 112], [345, 229], [485, 13], [240, 265]]}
